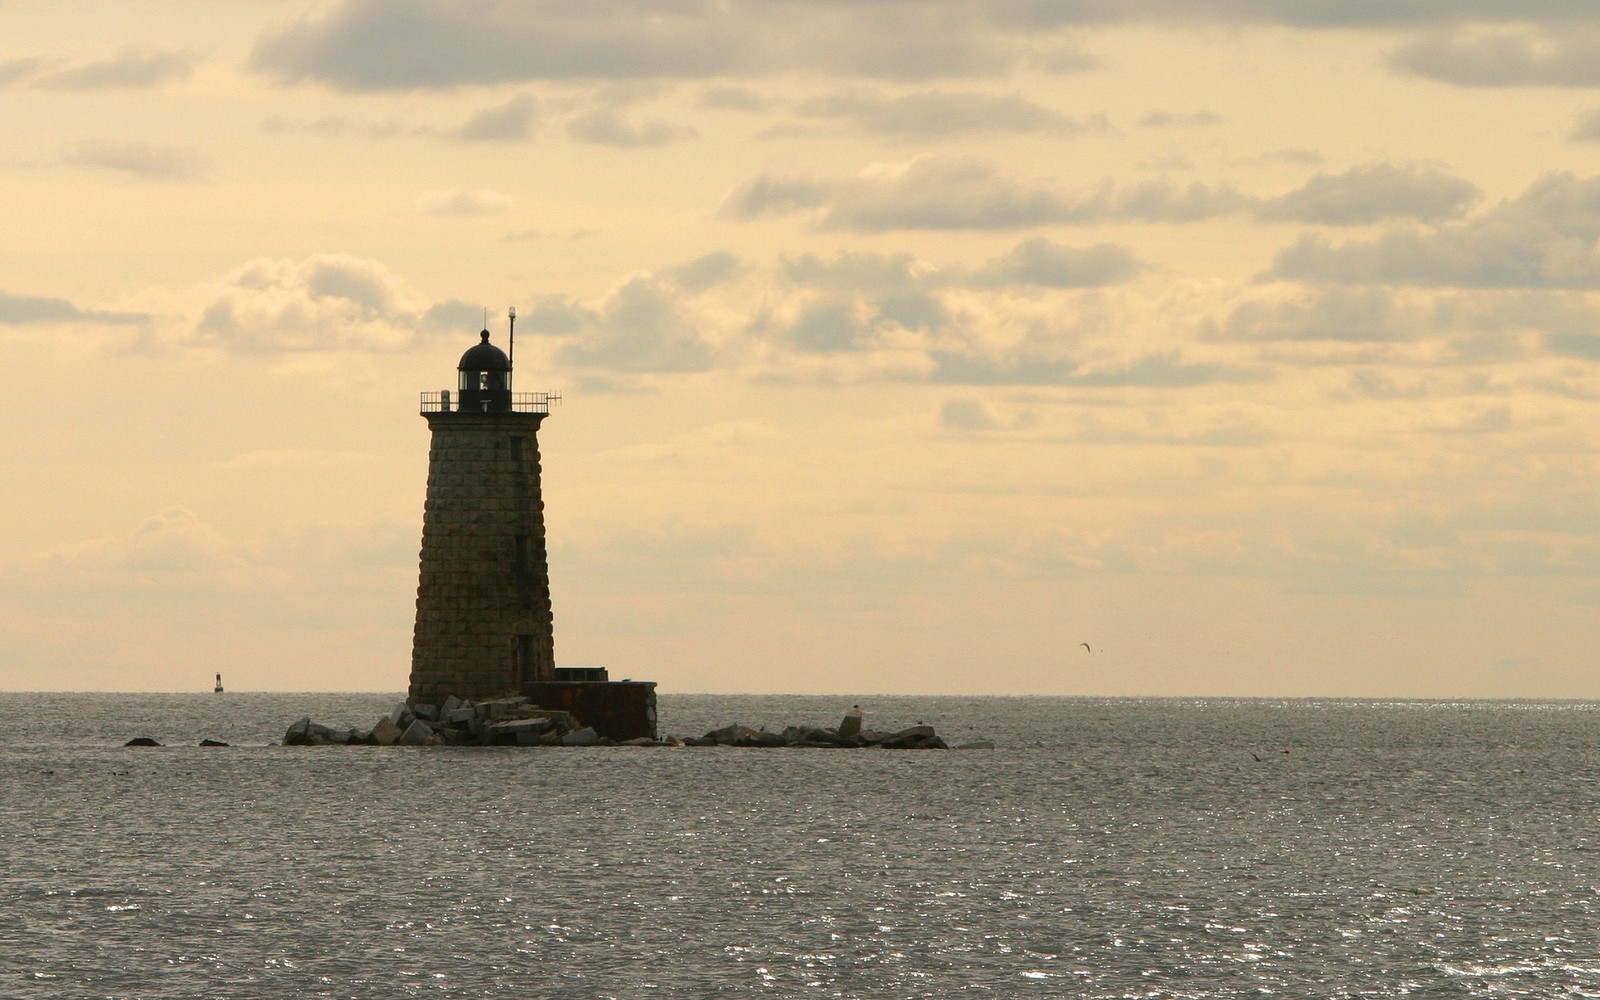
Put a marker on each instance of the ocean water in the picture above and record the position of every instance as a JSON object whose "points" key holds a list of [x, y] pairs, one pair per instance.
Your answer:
{"points": [[1107, 848]]}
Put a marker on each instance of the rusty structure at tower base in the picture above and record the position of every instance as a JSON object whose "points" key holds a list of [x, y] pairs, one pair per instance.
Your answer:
{"points": [[617, 710]]}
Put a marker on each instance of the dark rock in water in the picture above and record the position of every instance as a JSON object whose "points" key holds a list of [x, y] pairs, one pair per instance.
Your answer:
{"points": [[585, 737], [851, 726], [212, 743], [732, 736], [142, 741]]}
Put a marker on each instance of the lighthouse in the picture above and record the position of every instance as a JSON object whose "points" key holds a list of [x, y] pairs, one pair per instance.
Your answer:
{"points": [[484, 622]]}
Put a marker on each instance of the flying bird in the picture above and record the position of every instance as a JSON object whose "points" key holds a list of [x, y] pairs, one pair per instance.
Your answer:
{"points": [[1085, 645]]}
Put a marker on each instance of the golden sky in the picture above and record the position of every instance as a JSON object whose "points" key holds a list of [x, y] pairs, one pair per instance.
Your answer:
{"points": [[904, 345]]}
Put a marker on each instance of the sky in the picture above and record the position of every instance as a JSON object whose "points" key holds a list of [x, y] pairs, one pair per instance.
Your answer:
{"points": [[903, 345]]}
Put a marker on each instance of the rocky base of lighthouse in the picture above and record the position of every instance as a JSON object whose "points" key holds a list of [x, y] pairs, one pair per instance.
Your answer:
{"points": [[517, 721]]}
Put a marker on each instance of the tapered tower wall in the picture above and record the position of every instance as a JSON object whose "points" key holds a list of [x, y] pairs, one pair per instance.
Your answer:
{"points": [[484, 625]]}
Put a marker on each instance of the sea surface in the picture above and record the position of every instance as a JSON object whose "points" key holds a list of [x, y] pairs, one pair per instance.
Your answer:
{"points": [[1106, 848]]}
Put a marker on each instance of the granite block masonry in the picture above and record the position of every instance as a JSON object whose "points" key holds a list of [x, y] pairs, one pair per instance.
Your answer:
{"points": [[484, 624]]}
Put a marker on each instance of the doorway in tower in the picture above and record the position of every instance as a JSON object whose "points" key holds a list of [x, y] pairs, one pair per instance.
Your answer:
{"points": [[525, 658]]}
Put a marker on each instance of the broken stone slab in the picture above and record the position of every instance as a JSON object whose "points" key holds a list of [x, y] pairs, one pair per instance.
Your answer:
{"points": [[585, 737], [520, 732], [850, 728]]}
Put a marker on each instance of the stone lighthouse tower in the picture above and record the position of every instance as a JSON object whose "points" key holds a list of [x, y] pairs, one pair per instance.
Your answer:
{"points": [[484, 625]]}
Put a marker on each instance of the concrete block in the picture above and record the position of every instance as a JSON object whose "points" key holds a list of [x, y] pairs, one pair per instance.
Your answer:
{"points": [[417, 734]]}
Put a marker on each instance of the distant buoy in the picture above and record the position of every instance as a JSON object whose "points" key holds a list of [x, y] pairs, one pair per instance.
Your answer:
{"points": [[218, 688]]}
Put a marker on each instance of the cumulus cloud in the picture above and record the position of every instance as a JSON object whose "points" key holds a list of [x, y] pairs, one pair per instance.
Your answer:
{"points": [[139, 159], [1375, 192], [704, 271], [643, 326], [966, 193], [935, 113], [457, 202], [133, 68], [324, 302], [1045, 264], [29, 309], [607, 127], [512, 121], [1546, 238], [1566, 58], [855, 269]]}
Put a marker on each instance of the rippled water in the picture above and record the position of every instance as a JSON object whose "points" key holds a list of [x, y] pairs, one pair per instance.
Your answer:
{"points": [[1108, 848]]}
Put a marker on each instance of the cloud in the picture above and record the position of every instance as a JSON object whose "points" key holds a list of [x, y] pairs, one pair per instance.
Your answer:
{"points": [[704, 271], [28, 309], [1588, 127], [972, 415], [1046, 14], [173, 551], [324, 302], [1372, 193], [512, 121], [952, 368], [363, 45], [641, 327], [935, 113], [854, 269], [606, 127], [1167, 371], [132, 68], [1045, 264], [15, 70], [140, 159], [1566, 58], [334, 126], [457, 202], [724, 97], [1546, 238], [1171, 119], [966, 193], [1338, 314]]}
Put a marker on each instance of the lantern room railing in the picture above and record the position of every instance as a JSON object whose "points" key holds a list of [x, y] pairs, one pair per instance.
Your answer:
{"points": [[521, 402]]}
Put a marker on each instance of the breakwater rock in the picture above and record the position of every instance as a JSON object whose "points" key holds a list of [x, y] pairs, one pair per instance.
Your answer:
{"points": [[516, 721]]}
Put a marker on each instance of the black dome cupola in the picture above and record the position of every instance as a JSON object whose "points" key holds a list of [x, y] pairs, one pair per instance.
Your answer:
{"points": [[485, 384]]}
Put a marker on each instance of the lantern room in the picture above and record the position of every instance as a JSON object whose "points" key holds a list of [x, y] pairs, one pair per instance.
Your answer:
{"points": [[485, 379]]}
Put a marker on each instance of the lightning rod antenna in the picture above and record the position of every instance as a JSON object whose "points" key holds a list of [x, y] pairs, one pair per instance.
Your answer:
{"points": [[511, 353]]}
